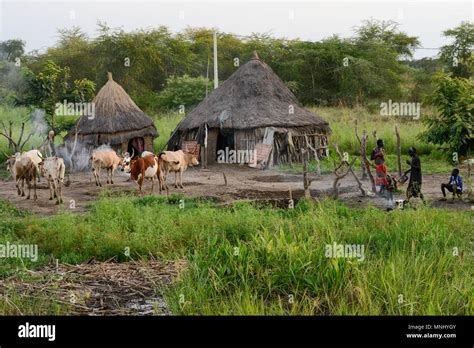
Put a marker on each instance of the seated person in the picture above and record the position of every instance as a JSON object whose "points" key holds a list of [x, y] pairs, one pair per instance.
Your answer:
{"points": [[454, 185]]}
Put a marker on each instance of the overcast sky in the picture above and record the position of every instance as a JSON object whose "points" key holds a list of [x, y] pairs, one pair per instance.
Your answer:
{"points": [[37, 22]]}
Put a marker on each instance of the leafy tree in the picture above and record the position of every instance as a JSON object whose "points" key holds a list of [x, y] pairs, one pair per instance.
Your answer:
{"points": [[386, 32], [453, 126], [458, 56], [10, 50], [184, 90], [53, 85]]}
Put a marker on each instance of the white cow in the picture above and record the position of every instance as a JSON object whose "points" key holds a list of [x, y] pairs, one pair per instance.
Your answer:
{"points": [[53, 169], [105, 159], [23, 169], [177, 162]]}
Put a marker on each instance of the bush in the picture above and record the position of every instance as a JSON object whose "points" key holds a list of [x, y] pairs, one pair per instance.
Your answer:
{"points": [[452, 127], [184, 90]]}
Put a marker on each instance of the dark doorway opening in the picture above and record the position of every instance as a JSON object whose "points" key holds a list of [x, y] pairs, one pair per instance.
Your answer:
{"points": [[136, 146], [225, 139]]}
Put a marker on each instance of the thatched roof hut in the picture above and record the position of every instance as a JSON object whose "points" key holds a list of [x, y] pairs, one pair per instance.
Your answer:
{"points": [[253, 106], [117, 121]]}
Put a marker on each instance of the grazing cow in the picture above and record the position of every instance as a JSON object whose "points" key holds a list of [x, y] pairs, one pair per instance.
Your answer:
{"points": [[105, 159], [53, 169], [23, 169], [146, 167], [177, 162]]}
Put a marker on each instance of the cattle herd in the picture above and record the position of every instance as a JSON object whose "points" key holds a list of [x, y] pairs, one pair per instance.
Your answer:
{"points": [[30, 166]]}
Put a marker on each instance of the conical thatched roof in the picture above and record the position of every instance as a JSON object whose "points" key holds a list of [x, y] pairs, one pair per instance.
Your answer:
{"points": [[252, 97], [117, 118]]}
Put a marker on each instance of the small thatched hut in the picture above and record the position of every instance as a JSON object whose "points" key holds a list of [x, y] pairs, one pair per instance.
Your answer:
{"points": [[117, 121], [252, 109]]}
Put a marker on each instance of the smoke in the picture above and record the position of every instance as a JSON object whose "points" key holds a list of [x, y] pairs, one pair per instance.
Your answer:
{"points": [[103, 147], [12, 79], [77, 158], [38, 120], [77, 162]]}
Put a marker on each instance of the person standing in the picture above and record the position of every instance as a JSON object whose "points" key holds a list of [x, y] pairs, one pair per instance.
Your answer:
{"points": [[414, 185], [378, 156]]}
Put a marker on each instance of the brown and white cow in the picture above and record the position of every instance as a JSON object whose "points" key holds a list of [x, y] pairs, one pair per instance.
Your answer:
{"points": [[105, 159], [146, 167], [53, 169], [23, 168], [177, 162]]}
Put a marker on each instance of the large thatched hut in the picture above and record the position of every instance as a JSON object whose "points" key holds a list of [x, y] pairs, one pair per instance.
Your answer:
{"points": [[117, 121], [252, 110]]}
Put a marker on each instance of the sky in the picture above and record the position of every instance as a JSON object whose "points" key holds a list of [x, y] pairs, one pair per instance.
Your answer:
{"points": [[37, 22]]}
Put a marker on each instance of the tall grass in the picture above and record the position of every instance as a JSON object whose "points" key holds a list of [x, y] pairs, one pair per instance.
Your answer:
{"points": [[244, 260]]}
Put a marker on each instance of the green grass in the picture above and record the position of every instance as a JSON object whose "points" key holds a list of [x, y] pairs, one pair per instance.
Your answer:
{"points": [[279, 255]]}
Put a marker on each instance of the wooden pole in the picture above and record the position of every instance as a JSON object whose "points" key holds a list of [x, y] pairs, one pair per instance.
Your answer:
{"points": [[399, 152], [363, 152], [362, 164], [216, 80], [304, 157]]}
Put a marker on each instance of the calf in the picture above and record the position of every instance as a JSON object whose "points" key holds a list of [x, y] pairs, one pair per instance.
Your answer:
{"points": [[143, 168], [177, 162], [105, 159], [53, 169]]}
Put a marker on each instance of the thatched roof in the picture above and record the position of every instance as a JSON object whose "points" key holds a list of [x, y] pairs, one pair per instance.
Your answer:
{"points": [[252, 97], [117, 118]]}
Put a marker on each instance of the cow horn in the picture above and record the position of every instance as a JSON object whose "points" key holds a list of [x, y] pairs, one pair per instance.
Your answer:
{"points": [[133, 153]]}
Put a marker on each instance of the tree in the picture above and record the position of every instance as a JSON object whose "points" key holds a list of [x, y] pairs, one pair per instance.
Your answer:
{"points": [[453, 126], [52, 85], [386, 32], [458, 56], [184, 90], [12, 49]]}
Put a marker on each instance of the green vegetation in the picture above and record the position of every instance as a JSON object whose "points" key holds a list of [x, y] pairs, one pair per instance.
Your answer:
{"points": [[452, 127], [367, 67], [244, 260]]}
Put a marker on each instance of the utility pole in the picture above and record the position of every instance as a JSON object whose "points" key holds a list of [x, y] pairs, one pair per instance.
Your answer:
{"points": [[216, 81]]}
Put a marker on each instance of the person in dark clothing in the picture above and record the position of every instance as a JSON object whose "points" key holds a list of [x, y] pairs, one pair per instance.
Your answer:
{"points": [[454, 185], [414, 185]]}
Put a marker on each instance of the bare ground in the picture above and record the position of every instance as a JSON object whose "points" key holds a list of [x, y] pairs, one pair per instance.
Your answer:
{"points": [[243, 183]]}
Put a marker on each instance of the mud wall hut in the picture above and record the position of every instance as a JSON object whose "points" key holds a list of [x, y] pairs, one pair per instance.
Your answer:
{"points": [[253, 110], [117, 121]]}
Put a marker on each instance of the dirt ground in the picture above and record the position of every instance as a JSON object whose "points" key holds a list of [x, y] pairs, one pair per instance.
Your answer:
{"points": [[243, 183]]}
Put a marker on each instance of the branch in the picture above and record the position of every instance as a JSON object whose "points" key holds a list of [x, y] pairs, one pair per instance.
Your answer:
{"points": [[9, 138], [21, 132], [26, 140]]}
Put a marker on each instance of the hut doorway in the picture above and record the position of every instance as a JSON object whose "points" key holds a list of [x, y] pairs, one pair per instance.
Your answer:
{"points": [[225, 141], [136, 146]]}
